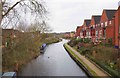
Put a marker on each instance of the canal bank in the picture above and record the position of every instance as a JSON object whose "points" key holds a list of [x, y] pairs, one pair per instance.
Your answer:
{"points": [[91, 69], [23, 49]]}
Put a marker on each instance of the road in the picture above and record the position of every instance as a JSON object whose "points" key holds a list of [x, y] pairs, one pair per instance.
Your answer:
{"points": [[54, 62]]}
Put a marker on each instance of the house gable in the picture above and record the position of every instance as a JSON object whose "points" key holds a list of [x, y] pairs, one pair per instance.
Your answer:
{"points": [[110, 14], [84, 24], [103, 17], [87, 22], [92, 21]]}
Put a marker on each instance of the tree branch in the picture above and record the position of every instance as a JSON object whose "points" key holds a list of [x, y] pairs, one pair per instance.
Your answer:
{"points": [[3, 2], [11, 8]]}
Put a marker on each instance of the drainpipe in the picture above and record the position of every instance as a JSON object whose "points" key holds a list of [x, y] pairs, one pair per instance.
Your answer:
{"points": [[118, 36], [114, 29], [118, 33], [118, 23]]}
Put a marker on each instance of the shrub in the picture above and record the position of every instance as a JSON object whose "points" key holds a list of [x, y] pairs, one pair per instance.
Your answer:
{"points": [[73, 42], [112, 72], [80, 40], [86, 40], [110, 40], [84, 51]]}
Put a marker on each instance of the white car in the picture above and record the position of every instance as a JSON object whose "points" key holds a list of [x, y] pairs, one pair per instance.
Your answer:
{"points": [[9, 75]]}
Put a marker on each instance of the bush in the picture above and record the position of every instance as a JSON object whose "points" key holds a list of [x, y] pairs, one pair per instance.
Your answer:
{"points": [[106, 43], [73, 42], [84, 51], [110, 40], [86, 40], [112, 72], [80, 40]]}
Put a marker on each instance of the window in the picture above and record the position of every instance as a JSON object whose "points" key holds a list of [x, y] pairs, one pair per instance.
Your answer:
{"points": [[104, 32], [96, 25], [93, 26], [96, 33], [100, 32], [101, 24], [110, 22], [89, 33], [106, 23], [81, 33]]}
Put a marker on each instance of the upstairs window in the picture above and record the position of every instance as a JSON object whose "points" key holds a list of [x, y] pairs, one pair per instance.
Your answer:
{"points": [[98, 24], [101, 24], [106, 23], [110, 22], [93, 26]]}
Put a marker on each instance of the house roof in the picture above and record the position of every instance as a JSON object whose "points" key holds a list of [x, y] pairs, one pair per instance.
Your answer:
{"points": [[77, 28], [87, 22], [118, 7], [97, 19], [81, 27], [110, 14]]}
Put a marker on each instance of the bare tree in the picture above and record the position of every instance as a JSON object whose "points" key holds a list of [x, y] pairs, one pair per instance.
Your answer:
{"points": [[0, 11], [22, 26], [11, 12], [42, 27]]}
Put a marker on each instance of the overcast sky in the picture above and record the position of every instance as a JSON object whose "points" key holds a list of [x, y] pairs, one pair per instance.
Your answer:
{"points": [[66, 15]]}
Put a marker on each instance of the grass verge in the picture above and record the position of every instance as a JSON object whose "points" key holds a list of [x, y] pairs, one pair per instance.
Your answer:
{"points": [[87, 69]]}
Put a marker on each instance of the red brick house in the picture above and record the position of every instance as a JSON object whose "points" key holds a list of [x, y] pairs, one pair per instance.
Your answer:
{"points": [[77, 34], [95, 20], [86, 30], [107, 25], [105, 28], [87, 27], [81, 31], [117, 28], [9, 34]]}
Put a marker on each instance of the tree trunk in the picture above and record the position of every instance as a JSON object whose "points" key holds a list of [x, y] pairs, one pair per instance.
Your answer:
{"points": [[0, 12], [0, 36]]}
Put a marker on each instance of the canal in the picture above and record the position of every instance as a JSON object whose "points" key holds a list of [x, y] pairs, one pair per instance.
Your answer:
{"points": [[54, 62]]}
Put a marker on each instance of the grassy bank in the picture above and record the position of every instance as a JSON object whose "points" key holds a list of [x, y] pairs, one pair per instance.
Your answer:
{"points": [[85, 67], [105, 56], [23, 49]]}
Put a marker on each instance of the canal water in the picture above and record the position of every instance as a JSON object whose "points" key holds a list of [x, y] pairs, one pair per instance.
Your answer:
{"points": [[54, 62]]}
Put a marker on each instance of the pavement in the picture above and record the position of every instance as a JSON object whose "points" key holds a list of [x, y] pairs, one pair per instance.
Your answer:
{"points": [[92, 66]]}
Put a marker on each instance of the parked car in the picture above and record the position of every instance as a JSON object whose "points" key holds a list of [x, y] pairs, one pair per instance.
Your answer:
{"points": [[9, 75]]}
